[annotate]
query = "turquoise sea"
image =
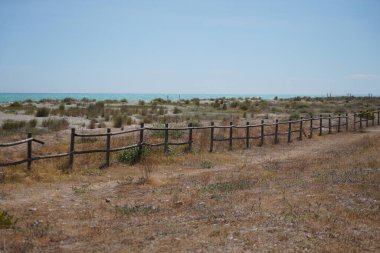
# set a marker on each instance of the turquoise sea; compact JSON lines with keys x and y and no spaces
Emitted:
{"x":13,"y":97}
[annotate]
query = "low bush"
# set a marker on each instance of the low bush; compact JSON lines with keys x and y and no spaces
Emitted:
{"x":138,"y":209}
{"x":294,"y":116}
{"x":174,"y":134}
{"x":118,"y":121}
{"x":176,"y":110}
{"x":43,"y":112}
{"x":6,"y":220}
{"x":132,"y":156}
{"x":55,"y":124}
{"x":14,"y":125}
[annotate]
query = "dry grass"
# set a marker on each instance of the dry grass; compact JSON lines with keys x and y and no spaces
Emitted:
{"x":320,"y":195}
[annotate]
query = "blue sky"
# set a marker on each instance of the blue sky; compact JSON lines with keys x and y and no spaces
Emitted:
{"x":194,"y":46}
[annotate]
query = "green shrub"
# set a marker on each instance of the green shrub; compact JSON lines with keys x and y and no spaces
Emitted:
{"x":6,"y":220}
{"x":132,"y":156}
{"x":92,"y":124}
{"x":118,"y":121}
{"x":176,"y":110}
{"x":174,"y":134}
{"x":32,"y":123}
{"x":13,"y":125}
{"x":42,"y":112}
{"x":55,"y":124}
{"x":294,"y":116}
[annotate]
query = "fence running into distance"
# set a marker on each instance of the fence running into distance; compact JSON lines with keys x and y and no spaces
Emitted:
{"x":303,"y":127}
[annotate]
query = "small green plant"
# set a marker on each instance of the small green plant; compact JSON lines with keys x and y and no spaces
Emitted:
{"x":81,"y":189}
{"x":206,"y":164}
{"x":6,"y":220}
{"x":131,"y":156}
{"x":42,"y":112}
{"x":176,"y":110}
{"x":39,"y":228}
{"x":137,"y":209}
{"x":294,"y":116}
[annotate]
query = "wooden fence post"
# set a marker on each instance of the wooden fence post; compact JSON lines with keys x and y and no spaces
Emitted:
{"x":338,"y":122}
{"x":320,"y":125}
{"x":72,"y":145}
{"x":354,"y":121}
{"x":190,"y":136}
{"x":301,"y":129}
{"x":247,"y":135}
{"x":366,"y":118}
{"x":230,"y":138}
{"x":166,"y":147}
{"x":346,"y":122}
{"x":108,"y":146}
{"x":329,"y":123}
{"x":141,"y":141}
{"x":361,"y":120}
{"x":373,"y":118}
{"x":289,"y":131}
{"x":212,"y":136}
{"x":378,"y":117}
{"x":311,"y":127}
{"x":29,"y":151}
{"x":262,"y":133}
{"x":276,"y":132}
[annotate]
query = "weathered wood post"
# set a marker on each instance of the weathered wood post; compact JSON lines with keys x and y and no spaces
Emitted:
{"x":72,"y":145}
{"x":338,"y":122}
{"x":108,"y":147}
{"x":289,"y":131}
{"x":354,"y":121}
{"x":378,"y":117}
{"x":301,"y":129}
{"x":361,"y":120}
{"x":276,"y":132}
{"x":247,"y":135}
{"x":141,"y":141}
{"x":346,"y":122}
{"x":29,"y":151}
{"x":230,"y":138}
{"x":329,"y":123}
{"x":320,"y":124}
{"x":366,"y":118}
{"x":373,"y":118}
{"x":262,"y":133}
{"x":212,"y":136}
{"x":166,"y":147}
{"x":311,"y":127}
{"x":190,"y":136}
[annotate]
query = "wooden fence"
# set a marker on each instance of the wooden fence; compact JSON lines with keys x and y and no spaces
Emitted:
{"x":300,"y":128}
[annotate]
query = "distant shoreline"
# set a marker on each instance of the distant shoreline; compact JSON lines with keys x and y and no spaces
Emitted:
{"x":19,"y":97}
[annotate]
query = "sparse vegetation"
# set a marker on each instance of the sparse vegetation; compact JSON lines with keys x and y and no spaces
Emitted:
{"x":42,"y":112}
{"x":55,"y":124}
{"x":6,"y":220}
{"x":132,"y":156}
{"x":274,"y":198}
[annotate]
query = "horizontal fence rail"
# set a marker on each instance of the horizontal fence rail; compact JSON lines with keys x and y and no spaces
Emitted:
{"x":260,"y":132}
